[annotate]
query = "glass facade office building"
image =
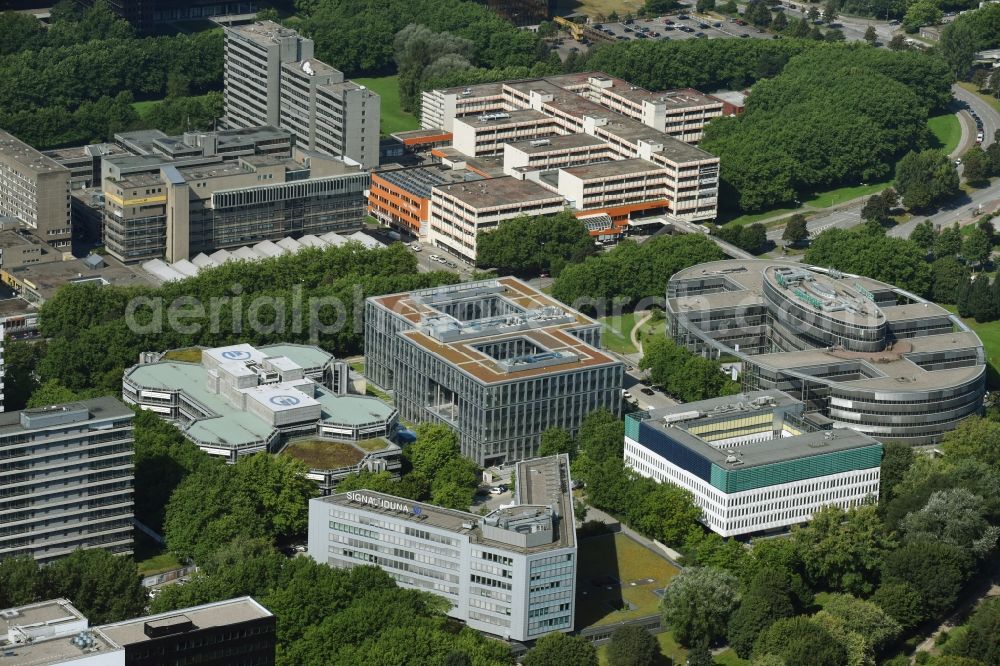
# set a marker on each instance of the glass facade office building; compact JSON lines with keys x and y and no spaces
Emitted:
{"x":865,"y":354}
{"x":496,"y":360}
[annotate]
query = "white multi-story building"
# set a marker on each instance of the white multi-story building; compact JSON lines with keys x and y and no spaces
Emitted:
{"x":511,"y":573}
{"x":754,"y":462}
{"x":458,"y":212}
{"x":35,"y":189}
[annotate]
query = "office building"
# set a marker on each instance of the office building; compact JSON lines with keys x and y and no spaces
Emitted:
{"x":271,"y":78}
{"x":235,"y":632}
{"x":606,"y":147}
{"x":460,"y":212}
{"x":496,"y":360}
{"x":865,"y":354}
{"x":35,"y":189}
{"x":328,"y":113}
{"x":754,"y":462}
{"x":511,"y":573}
{"x":180,"y":211}
{"x":401,"y":197}
{"x":239,"y":400}
{"x":66,"y":482}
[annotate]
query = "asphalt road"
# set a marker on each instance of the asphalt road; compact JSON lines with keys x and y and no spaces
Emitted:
{"x":986,"y":113}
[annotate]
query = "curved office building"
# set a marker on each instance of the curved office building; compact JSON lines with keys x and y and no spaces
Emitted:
{"x":865,"y":354}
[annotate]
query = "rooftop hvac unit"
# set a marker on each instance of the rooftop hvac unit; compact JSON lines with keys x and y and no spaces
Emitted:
{"x":681,"y":416}
{"x":540,"y":142}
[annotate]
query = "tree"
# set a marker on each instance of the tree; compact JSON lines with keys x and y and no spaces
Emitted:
{"x":799,"y":640}
{"x":21,"y":581}
{"x":435,"y":446}
{"x":555,"y":441}
{"x":796,"y":230}
{"x":924,"y":234}
{"x":529,"y":246}
{"x":898,"y":43}
{"x":878,"y":629}
{"x":870,"y":35}
{"x":812,"y":14}
{"x":956,"y":517}
{"x":936,"y":570}
{"x":682,"y":373}
{"x":896,"y":459}
{"x":876,"y":210}
{"x":980,"y":300}
{"x":418,"y":48}
{"x":780,"y":22}
{"x":632,"y":646}
{"x":976,"y":247}
{"x":704,"y":6}
{"x":926,"y":178}
{"x":919,"y":14}
{"x":844,"y":551}
{"x":104,"y":587}
{"x":698,"y":603}
{"x":902,"y":602}
{"x":51,"y":392}
{"x":976,"y":166}
{"x":981,"y":639}
{"x":948,"y":242}
{"x":20,"y":379}
{"x":976,"y":439}
{"x":768,"y":599}
{"x":830,"y":12}
{"x":700,"y":655}
{"x":894,"y":260}
{"x":560,"y":649}
{"x":657,"y":7}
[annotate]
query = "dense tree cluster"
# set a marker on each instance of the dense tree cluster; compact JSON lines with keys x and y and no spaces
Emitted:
{"x":631,"y":272}
{"x":897,"y":261}
{"x":749,"y":237}
{"x":969,"y":33}
{"x":528,"y":246}
{"x":76,"y":82}
{"x":358,"y":37}
{"x":925,"y":179}
{"x":95,"y":332}
{"x":684,"y":374}
{"x":105,"y":587}
{"x":834,"y":116}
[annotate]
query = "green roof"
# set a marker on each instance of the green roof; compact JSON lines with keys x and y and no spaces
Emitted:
{"x":353,"y":410}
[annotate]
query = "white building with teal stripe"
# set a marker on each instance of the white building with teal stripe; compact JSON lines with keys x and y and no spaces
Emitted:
{"x":754,"y":462}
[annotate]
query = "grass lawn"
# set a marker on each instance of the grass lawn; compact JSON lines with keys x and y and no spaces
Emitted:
{"x":322,"y":454}
{"x":616,"y":332}
{"x":145,"y":108}
{"x":188,"y":355}
{"x":947,"y":131}
{"x":615,"y":573}
{"x":992,"y":101}
{"x":152,"y":558}
{"x":813,"y":202}
{"x":729,"y":658}
{"x":394,"y":119}
{"x":370,"y":444}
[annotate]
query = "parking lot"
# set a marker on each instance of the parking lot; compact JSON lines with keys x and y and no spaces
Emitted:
{"x":680,"y":26}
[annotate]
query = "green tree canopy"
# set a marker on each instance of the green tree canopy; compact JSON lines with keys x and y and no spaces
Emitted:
{"x":698,"y":603}
{"x":632,"y":646}
{"x":560,"y":649}
{"x":897,"y":261}
{"x":799,"y":640}
{"x":528,"y":246}
{"x":926,"y":178}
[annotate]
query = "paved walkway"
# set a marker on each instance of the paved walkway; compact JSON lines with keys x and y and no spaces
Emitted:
{"x":989,"y":588}
{"x":634,"y":333}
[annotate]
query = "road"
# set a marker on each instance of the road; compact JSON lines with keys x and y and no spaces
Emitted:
{"x":989,"y":116}
{"x":854,"y":29}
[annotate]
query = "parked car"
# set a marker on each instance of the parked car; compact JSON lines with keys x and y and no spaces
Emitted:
{"x":415,"y":247}
{"x":498,"y":490}
{"x":434,"y":257}
{"x":645,"y":390}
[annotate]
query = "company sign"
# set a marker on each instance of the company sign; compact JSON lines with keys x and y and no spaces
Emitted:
{"x":382,"y":503}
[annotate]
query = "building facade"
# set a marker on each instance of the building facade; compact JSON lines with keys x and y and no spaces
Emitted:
{"x":496,"y":360}
{"x":865,"y":354}
{"x":271,"y":78}
{"x":235,"y":632}
{"x":460,"y":212}
{"x":401,"y":198}
{"x":66,"y":482}
{"x":180,"y":211}
{"x":754,"y":462}
{"x":35,"y":189}
{"x":511,"y":573}
{"x":240,"y":400}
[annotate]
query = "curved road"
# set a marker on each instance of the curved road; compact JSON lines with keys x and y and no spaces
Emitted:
{"x":989,"y":115}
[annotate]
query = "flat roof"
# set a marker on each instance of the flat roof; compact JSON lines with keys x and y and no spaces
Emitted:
{"x":496,"y":192}
{"x":46,"y":278}
{"x":53,"y":649}
{"x":504,"y":118}
{"x":547,"y":483}
{"x":561,"y":142}
{"x":420,"y":180}
{"x":893,"y":369}
{"x":671,"y":422}
{"x":219,"y":614}
{"x":555,"y":337}
{"x":612,"y":168}
{"x":17,"y":151}
{"x":104,"y":407}
{"x":262,"y":32}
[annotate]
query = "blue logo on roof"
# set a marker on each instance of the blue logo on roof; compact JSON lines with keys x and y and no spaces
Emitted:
{"x":235,"y":355}
{"x":284,"y":400}
{"x":417,"y":511}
